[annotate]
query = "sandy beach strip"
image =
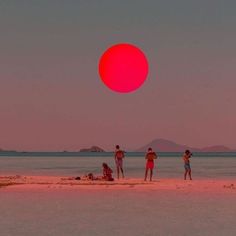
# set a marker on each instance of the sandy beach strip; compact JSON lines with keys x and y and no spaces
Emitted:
{"x":54,"y":205}
{"x":69,"y":183}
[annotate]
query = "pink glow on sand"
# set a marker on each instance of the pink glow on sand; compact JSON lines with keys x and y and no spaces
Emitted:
{"x":70,"y":183}
{"x":123,"y":68}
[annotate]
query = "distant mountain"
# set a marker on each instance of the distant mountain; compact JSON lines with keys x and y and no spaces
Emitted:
{"x":92,"y":149}
{"x":163,"y":145}
{"x":216,"y":148}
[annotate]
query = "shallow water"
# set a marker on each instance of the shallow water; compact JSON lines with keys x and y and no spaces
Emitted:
{"x":167,"y":166}
{"x":115,"y":212}
{"x":105,"y":211}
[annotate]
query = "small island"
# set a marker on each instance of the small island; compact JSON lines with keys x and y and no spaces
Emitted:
{"x":6,"y":151}
{"x":92,"y":149}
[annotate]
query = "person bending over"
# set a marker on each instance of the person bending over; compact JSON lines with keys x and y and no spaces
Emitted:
{"x":107,"y":172}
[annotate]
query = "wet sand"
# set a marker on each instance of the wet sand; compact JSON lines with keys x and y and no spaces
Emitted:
{"x":43,"y":205}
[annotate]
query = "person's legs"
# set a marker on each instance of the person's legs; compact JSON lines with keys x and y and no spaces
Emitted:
{"x":118,"y":171}
{"x":146,"y":173}
{"x":121,"y":169}
{"x":150,"y":174}
{"x":185,"y":174}
{"x":190,"y":174}
{"x":119,"y":165}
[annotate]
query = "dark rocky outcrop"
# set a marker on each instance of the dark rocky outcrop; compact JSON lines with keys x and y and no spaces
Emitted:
{"x":92,"y":149}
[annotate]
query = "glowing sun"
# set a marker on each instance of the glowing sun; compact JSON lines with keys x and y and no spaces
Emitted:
{"x":123,"y":68}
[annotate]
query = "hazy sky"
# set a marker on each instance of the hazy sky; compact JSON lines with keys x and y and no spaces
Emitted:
{"x":53,"y":99}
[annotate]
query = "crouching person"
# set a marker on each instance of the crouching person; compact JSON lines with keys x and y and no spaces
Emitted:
{"x":107,"y":172}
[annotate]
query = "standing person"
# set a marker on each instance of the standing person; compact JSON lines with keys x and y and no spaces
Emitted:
{"x":119,"y":155}
{"x":150,"y":157}
{"x":187,"y":155}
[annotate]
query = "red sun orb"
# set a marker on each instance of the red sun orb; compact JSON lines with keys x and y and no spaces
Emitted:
{"x":123,"y":68}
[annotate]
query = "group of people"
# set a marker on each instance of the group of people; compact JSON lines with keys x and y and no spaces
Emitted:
{"x":150,"y":157}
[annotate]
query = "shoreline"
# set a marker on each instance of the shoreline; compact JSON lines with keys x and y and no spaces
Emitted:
{"x":18,"y":182}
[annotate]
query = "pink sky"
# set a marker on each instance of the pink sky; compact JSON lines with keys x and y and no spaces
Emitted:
{"x":52,"y":97}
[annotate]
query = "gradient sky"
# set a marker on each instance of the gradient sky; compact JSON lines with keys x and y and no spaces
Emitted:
{"x":53,"y":99}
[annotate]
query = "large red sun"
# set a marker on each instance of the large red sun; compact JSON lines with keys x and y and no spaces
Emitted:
{"x":123,"y":68}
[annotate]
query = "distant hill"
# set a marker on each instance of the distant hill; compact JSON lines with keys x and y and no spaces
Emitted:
{"x":216,"y":148}
{"x":163,"y":145}
{"x":92,"y":149}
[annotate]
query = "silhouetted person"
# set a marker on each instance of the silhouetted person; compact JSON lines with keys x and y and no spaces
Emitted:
{"x":107,"y":172}
{"x":187,"y":155}
{"x":119,"y":155}
{"x":150,"y":157}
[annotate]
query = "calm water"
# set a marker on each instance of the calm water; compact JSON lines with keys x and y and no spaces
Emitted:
{"x":168,"y":165}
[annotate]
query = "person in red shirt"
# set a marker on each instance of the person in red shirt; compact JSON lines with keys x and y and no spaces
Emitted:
{"x":150,"y":157}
